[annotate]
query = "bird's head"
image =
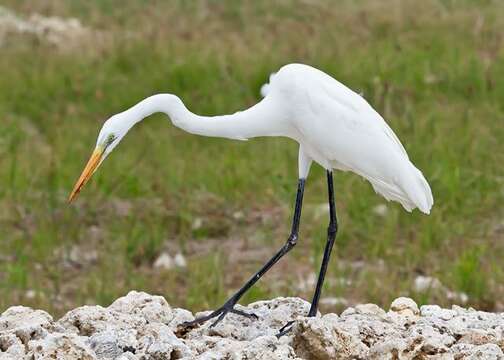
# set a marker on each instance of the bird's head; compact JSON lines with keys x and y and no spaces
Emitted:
{"x":112,"y":132}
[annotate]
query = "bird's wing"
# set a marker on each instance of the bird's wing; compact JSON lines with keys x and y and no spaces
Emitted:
{"x":365,"y":116}
{"x":348,"y":132}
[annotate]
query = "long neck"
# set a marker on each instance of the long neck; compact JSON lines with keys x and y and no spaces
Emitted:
{"x":262,"y":119}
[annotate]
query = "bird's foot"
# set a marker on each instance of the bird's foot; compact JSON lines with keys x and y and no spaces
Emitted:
{"x":219,"y":314}
{"x":285,"y":329}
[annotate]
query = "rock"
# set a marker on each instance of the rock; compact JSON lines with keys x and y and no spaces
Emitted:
{"x":404,"y":306}
{"x":78,"y":255}
{"x":30,"y":294}
{"x":140,"y":326}
{"x":60,"y":346}
{"x":64,"y":33}
{"x":370,"y":309}
{"x":457,"y":296}
{"x":316,"y":338}
{"x":197,"y":224}
{"x":149,"y":307}
{"x":477,"y":337}
{"x":11,"y":347}
{"x":164,"y":261}
{"x":180,"y":260}
{"x":426,"y":283}
{"x":111,"y":343}
{"x":25,"y":323}
{"x":431,"y":284}
{"x":486,"y":352}
{"x":307,"y":283}
{"x":272,"y":315}
{"x":380,"y":210}
{"x":319,"y":210}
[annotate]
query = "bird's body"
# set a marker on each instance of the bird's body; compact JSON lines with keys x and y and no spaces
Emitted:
{"x":338,"y":129}
{"x":334,"y":126}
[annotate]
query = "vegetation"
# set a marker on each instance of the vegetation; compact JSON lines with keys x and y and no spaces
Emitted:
{"x":432,"y":68}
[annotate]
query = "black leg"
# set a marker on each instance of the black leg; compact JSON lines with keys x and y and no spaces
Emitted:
{"x":331,"y":235}
{"x":291,"y":242}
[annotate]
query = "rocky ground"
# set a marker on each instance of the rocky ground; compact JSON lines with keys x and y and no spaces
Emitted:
{"x":142,"y":326}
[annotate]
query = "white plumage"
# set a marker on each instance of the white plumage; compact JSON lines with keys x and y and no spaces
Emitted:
{"x":333,"y":125}
{"x":338,"y":129}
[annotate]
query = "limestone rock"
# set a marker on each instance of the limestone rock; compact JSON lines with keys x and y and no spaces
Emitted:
{"x":25,"y":323}
{"x":322,"y":338}
{"x":164,"y":261}
{"x":60,"y":346}
{"x":140,"y":326}
{"x":486,"y":352}
{"x":404,"y":306}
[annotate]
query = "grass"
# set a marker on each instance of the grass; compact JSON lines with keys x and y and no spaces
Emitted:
{"x":432,"y":68}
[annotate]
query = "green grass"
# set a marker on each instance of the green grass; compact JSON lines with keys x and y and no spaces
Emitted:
{"x":432,"y":68}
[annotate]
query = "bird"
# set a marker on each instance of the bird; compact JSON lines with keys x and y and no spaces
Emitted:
{"x":334,"y":126}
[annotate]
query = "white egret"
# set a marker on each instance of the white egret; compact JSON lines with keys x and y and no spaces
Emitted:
{"x":334,"y":126}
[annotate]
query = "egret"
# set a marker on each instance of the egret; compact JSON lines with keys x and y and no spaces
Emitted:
{"x":334,"y":126}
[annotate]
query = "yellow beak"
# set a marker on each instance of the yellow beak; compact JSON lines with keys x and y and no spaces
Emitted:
{"x":92,"y":165}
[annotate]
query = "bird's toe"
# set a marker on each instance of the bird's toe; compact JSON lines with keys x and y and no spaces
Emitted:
{"x":285,"y":329}
{"x":250,"y":316}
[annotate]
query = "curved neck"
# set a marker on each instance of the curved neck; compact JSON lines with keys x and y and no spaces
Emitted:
{"x":262,"y":119}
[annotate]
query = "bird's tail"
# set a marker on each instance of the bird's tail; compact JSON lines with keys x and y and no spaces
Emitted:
{"x":411,"y":190}
{"x":417,"y":189}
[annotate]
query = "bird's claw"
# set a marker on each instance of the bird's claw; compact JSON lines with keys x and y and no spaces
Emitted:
{"x":250,"y":316}
{"x":219,"y":314}
{"x":225,"y":310}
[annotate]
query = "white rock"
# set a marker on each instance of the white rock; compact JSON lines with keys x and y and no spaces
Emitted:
{"x":112,"y":342}
{"x":370,"y":309}
{"x":30,"y":294}
{"x":348,"y":312}
{"x":164,"y":261}
{"x":152,"y":308}
{"x":457,"y":296}
{"x":180,"y":260}
{"x":307,"y":283}
{"x":197,"y":223}
{"x":320,"y":210}
{"x":11,"y":346}
{"x":426,"y":283}
{"x":159,"y":342}
{"x":380,"y":210}
{"x":316,"y":339}
{"x":27,"y":324}
{"x":477,"y":337}
{"x":54,"y":30}
{"x":430,"y":310}
{"x":405,"y":306}
{"x":140,"y":326}
{"x":486,"y":352}
{"x":127,"y":356}
{"x":78,"y":255}
{"x":61,"y":347}
{"x":180,"y":316}
{"x":238,"y":215}
{"x":437,"y":312}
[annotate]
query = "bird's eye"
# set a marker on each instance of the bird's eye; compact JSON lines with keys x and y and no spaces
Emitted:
{"x":110,"y":139}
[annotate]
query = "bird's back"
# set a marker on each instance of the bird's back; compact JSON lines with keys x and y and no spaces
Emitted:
{"x":339,"y":129}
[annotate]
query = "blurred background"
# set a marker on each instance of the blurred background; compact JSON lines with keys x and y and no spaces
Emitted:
{"x":191,"y":218}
